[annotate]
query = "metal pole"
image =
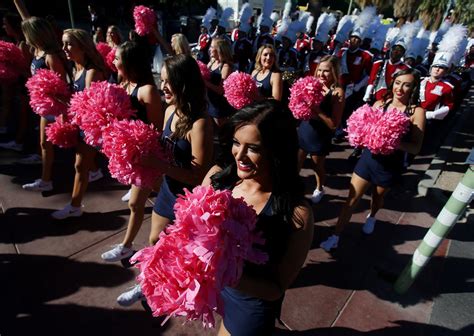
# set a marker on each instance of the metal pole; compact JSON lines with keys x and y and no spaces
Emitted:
{"x":349,"y":9}
{"x":71,"y":15}
{"x":446,"y":219}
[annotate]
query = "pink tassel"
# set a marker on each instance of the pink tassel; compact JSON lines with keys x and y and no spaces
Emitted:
{"x":49,"y":94}
{"x":205,"y":72}
{"x":125,"y":143}
{"x":12,"y":61}
{"x":96,"y":107}
{"x":305,"y":94}
{"x":240,"y":89}
{"x":62,"y":133}
{"x":204,"y":251}
{"x":145,"y":20}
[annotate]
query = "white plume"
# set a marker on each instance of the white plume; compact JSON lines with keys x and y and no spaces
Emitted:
{"x":245,"y":13}
{"x":441,"y":31}
{"x":309,"y":23}
{"x":287,"y":9}
{"x":343,"y":28}
{"x":380,"y":36}
{"x":268,"y":7}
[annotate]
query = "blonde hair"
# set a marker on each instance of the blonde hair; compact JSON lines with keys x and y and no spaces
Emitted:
{"x":40,"y":35}
{"x":223,"y":50}
{"x":92,"y":57}
{"x":114,"y":29}
{"x":180,"y":44}
{"x":258,"y":64}
{"x":335,"y":68}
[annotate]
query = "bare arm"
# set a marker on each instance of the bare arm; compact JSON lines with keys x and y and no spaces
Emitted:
{"x":21,"y":8}
{"x":207,"y":179}
{"x":162,"y":41}
{"x":149,"y":96}
{"x":55,"y":63}
{"x":277,"y":85}
{"x":93,"y":75}
{"x":219,"y":89}
{"x":289,"y":267}
{"x":413,"y":146}
{"x":201,"y":149}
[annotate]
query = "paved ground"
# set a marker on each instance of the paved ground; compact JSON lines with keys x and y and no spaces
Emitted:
{"x":54,"y":281}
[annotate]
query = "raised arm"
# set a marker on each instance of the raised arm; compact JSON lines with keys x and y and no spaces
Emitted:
{"x":21,"y":8}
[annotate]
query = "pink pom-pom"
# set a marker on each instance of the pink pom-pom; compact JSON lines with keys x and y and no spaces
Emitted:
{"x":12,"y":61}
{"x":240,"y":89}
{"x":96,"y":107}
{"x":379,"y":131}
{"x":387,"y":132}
{"x":49,"y":94}
{"x":360,"y":123}
{"x":205,"y":249}
{"x":104,"y":49}
{"x":62,"y":133}
{"x":145,"y":20}
{"x":109,"y":60}
{"x":125,"y":143}
{"x":205,"y":72}
{"x":305,"y":94}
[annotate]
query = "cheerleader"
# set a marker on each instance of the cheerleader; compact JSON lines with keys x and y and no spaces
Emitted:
{"x":47,"y":55}
{"x":221,"y":67}
{"x":113,"y":36}
{"x":383,"y":170}
{"x":315,"y":135}
{"x":88,"y":67}
{"x":180,"y":44}
{"x":267,"y":73}
{"x":187,"y":135}
{"x":137,"y":79}
{"x":262,"y":169}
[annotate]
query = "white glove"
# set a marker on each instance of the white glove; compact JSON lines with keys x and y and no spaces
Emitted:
{"x":438,"y":114}
{"x":368,"y":92}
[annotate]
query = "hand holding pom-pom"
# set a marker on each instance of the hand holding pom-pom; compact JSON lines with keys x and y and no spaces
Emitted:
{"x":96,"y":107}
{"x":62,"y":133}
{"x":240,"y":89}
{"x":360,"y":124}
{"x":205,"y":72}
{"x":125,"y":143}
{"x":205,"y":249}
{"x":49,"y":94}
{"x":305,"y":94}
{"x":12,"y":61}
{"x":145,"y":20}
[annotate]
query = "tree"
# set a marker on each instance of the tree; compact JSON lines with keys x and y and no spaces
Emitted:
{"x":431,"y":12}
{"x":405,"y":9}
{"x":464,"y":13}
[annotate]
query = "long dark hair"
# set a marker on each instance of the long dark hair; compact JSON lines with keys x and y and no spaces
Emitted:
{"x":188,"y":88}
{"x":415,"y":93}
{"x":279,"y":139}
{"x":135,"y":63}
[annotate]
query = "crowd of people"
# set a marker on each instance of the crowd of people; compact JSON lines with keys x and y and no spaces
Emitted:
{"x":257,"y":152}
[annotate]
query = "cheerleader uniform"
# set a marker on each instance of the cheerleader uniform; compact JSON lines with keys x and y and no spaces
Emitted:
{"x":38,"y":63}
{"x":180,"y":150}
{"x":264,"y":86}
{"x":382,"y":170}
{"x":141,"y":109}
{"x":218,"y":105}
{"x":245,"y":315}
{"x":314,"y":135}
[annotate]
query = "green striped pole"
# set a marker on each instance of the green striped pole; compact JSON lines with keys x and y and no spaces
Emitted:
{"x":446,"y":219}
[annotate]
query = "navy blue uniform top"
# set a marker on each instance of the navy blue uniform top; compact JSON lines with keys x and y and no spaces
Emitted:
{"x":80,"y":83}
{"x":141,"y":109}
{"x":264,"y":86}
{"x":180,"y":153}
{"x":38,"y":63}
{"x":218,"y":105}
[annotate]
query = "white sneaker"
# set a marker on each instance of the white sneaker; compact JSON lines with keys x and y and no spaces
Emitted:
{"x":119,"y":252}
{"x":330,"y":243}
{"x":31,"y":160}
{"x":317,"y":195}
{"x":126,"y":197}
{"x":67,"y":211}
{"x":130,"y":297}
{"x":38,"y":185}
{"x":95,"y":175}
{"x":12,"y":145}
{"x":369,"y":225}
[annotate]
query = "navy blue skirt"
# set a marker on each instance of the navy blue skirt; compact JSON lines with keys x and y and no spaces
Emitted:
{"x":314,"y":137}
{"x":165,"y":201}
{"x":248,"y":316}
{"x":381,"y":170}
